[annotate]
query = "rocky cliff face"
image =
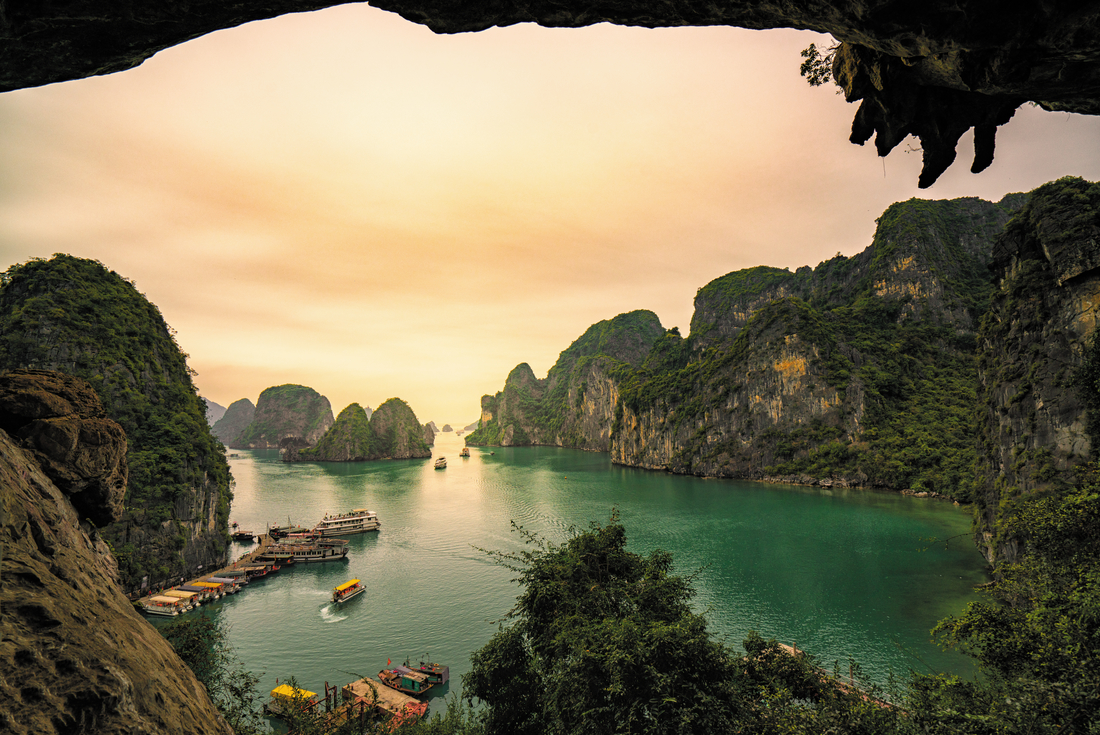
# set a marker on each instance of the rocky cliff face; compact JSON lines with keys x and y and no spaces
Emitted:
{"x":286,"y":414}
{"x":934,"y":72}
{"x":858,"y":372}
{"x":570,"y":406}
{"x":75,"y":656}
{"x":1038,"y":337}
{"x":75,"y":316}
{"x":236,"y":419}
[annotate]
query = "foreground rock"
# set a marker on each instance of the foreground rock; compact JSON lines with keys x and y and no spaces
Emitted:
{"x":935,"y":71}
{"x":75,"y":657}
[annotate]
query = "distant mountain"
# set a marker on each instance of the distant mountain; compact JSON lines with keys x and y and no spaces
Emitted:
{"x":236,"y":419}
{"x":391,"y":432}
{"x":214,"y":411}
{"x":446,"y":427}
{"x":471,"y":427}
{"x":286,"y":414}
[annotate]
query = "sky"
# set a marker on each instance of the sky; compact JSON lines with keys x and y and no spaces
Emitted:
{"x":345,"y":200}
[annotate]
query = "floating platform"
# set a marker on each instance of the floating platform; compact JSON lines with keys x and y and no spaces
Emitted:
{"x":390,"y":701}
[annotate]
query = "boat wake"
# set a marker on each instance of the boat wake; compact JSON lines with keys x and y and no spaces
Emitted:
{"x":329,"y":614}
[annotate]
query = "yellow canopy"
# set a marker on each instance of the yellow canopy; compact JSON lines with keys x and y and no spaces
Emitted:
{"x":346,"y":585}
{"x":214,"y":585}
{"x":285,"y":691}
{"x":182,"y":594}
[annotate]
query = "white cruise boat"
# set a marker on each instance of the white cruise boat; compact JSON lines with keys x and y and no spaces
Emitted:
{"x":359,"y":520}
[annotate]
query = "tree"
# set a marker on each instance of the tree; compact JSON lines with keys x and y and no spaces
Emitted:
{"x":201,"y":641}
{"x":1037,"y":639}
{"x":601,"y":640}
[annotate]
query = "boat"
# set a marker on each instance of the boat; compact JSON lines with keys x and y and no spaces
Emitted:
{"x":465,"y":452}
{"x":187,"y":598}
{"x":441,"y":463}
{"x":347,"y":590}
{"x":232,"y":585}
{"x":281,"y":531}
{"x":322,"y":550}
{"x":244,"y":536}
{"x":436,"y":673}
{"x":407,"y":680}
{"x":164,"y":605}
{"x":286,"y":699}
{"x":356,"y":521}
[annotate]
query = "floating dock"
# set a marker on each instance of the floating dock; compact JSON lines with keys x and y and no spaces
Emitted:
{"x":382,"y":697}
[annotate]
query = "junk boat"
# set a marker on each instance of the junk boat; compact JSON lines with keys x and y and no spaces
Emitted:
{"x":359,"y":520}
{"x":347,"y":590}
{"x":464,"y":453}
{"x":407,"y":680}
{"x":441,"y":463}
{"x":319,"y":550}
{"x":244,"y":536}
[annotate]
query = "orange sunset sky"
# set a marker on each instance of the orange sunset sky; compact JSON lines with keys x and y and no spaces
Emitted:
{"x":345,"y":200}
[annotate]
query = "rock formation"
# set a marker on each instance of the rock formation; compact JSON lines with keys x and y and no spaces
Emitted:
{"x":446,"y":427}
{"x":236,"y":419}
{"x":391,"y":432}
{"x":933,"y":70}
{"x":349,"y":439}
{"x":397,"y":432}
{"x":75,"y":657}
{"x":214,"y":411}
{"x":61,"y":422}
{"x":574,"y":404}
{"x":286,"y":412}
{"x":858,"y":372}
{"x":76,"y":316}
{"x":1039,"y":337}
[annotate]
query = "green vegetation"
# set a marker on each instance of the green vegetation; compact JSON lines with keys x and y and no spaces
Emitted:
{"x":817,"y":67}
{"x":76,"y":316}
{"x":201,"y":641}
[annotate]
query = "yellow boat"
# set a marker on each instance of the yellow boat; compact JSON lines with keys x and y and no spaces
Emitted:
{"x":347,"y":590}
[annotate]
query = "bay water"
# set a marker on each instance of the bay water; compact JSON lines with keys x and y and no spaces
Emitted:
{"x":843,"y":574}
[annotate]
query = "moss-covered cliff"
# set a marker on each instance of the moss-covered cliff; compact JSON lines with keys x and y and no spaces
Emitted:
{"x":390,"y":432}
{"x":286,"y":414}
{"x":571,"y":406}
{"x":860,"y":371}
{"x":235,"y":420}
{"x":78,"y":317}
{"x":1038,"y":359}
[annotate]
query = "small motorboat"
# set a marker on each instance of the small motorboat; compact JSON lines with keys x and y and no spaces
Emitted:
{"x":465,"y":453}
{"x":347,"y":590}
{"x":441,"y":463}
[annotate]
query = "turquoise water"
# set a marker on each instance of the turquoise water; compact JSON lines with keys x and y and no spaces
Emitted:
{"x":840,"y":573}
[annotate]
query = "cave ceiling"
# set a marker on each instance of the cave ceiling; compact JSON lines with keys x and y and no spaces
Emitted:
{"x":929,"y":68}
